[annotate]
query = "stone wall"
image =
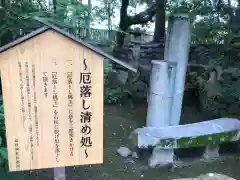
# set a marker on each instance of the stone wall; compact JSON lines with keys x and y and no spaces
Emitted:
{"x":217,"y":91}
{"x":219,"y":96}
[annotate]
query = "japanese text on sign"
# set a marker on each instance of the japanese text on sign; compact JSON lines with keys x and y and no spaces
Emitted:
{"x":56,"y":115}
{"x":70,"y":112}
{"x":29,"y":107}
{"x":21,"y":90}
{"x":17,"y":153}
{"x":35,"y":104}
{"x":45,"y":84}
{"x":86,"y":114}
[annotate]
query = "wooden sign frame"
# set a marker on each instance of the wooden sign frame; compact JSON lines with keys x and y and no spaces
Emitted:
{"x":53,"y":90}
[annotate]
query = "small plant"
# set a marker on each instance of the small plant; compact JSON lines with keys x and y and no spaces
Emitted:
{"x":111,"y":95}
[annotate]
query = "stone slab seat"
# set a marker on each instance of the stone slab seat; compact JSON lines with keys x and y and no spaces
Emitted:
{"x":212,"y":132}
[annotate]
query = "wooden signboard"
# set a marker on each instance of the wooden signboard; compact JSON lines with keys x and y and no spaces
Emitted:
{"x":53,"y":100}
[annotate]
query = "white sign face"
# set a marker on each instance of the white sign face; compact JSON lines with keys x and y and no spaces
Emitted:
{"x":53,"y":102}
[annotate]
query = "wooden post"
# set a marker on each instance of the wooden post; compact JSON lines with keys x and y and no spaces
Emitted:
{"x":176,"y":50}
{"x":59,"y":173}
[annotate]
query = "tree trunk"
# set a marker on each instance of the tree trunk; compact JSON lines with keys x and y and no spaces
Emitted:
{"x":159,"y":31}
{"x":109,"y":20}
{"x":234,"y":21}
{"x":3,"y":3}
{"x":88,"y":20}
{"x":123,"y":24}
{"x":126,"y":21}
{"x":54,"y":6}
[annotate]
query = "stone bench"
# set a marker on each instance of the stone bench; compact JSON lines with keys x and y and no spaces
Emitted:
{"x":207,"y":134}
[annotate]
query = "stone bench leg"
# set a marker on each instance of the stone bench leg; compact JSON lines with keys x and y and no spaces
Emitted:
{"x":161,"y":157}
{"x":211,"y":152}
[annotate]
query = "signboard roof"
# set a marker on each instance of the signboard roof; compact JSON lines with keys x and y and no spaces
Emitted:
{"x":68,"y":35}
